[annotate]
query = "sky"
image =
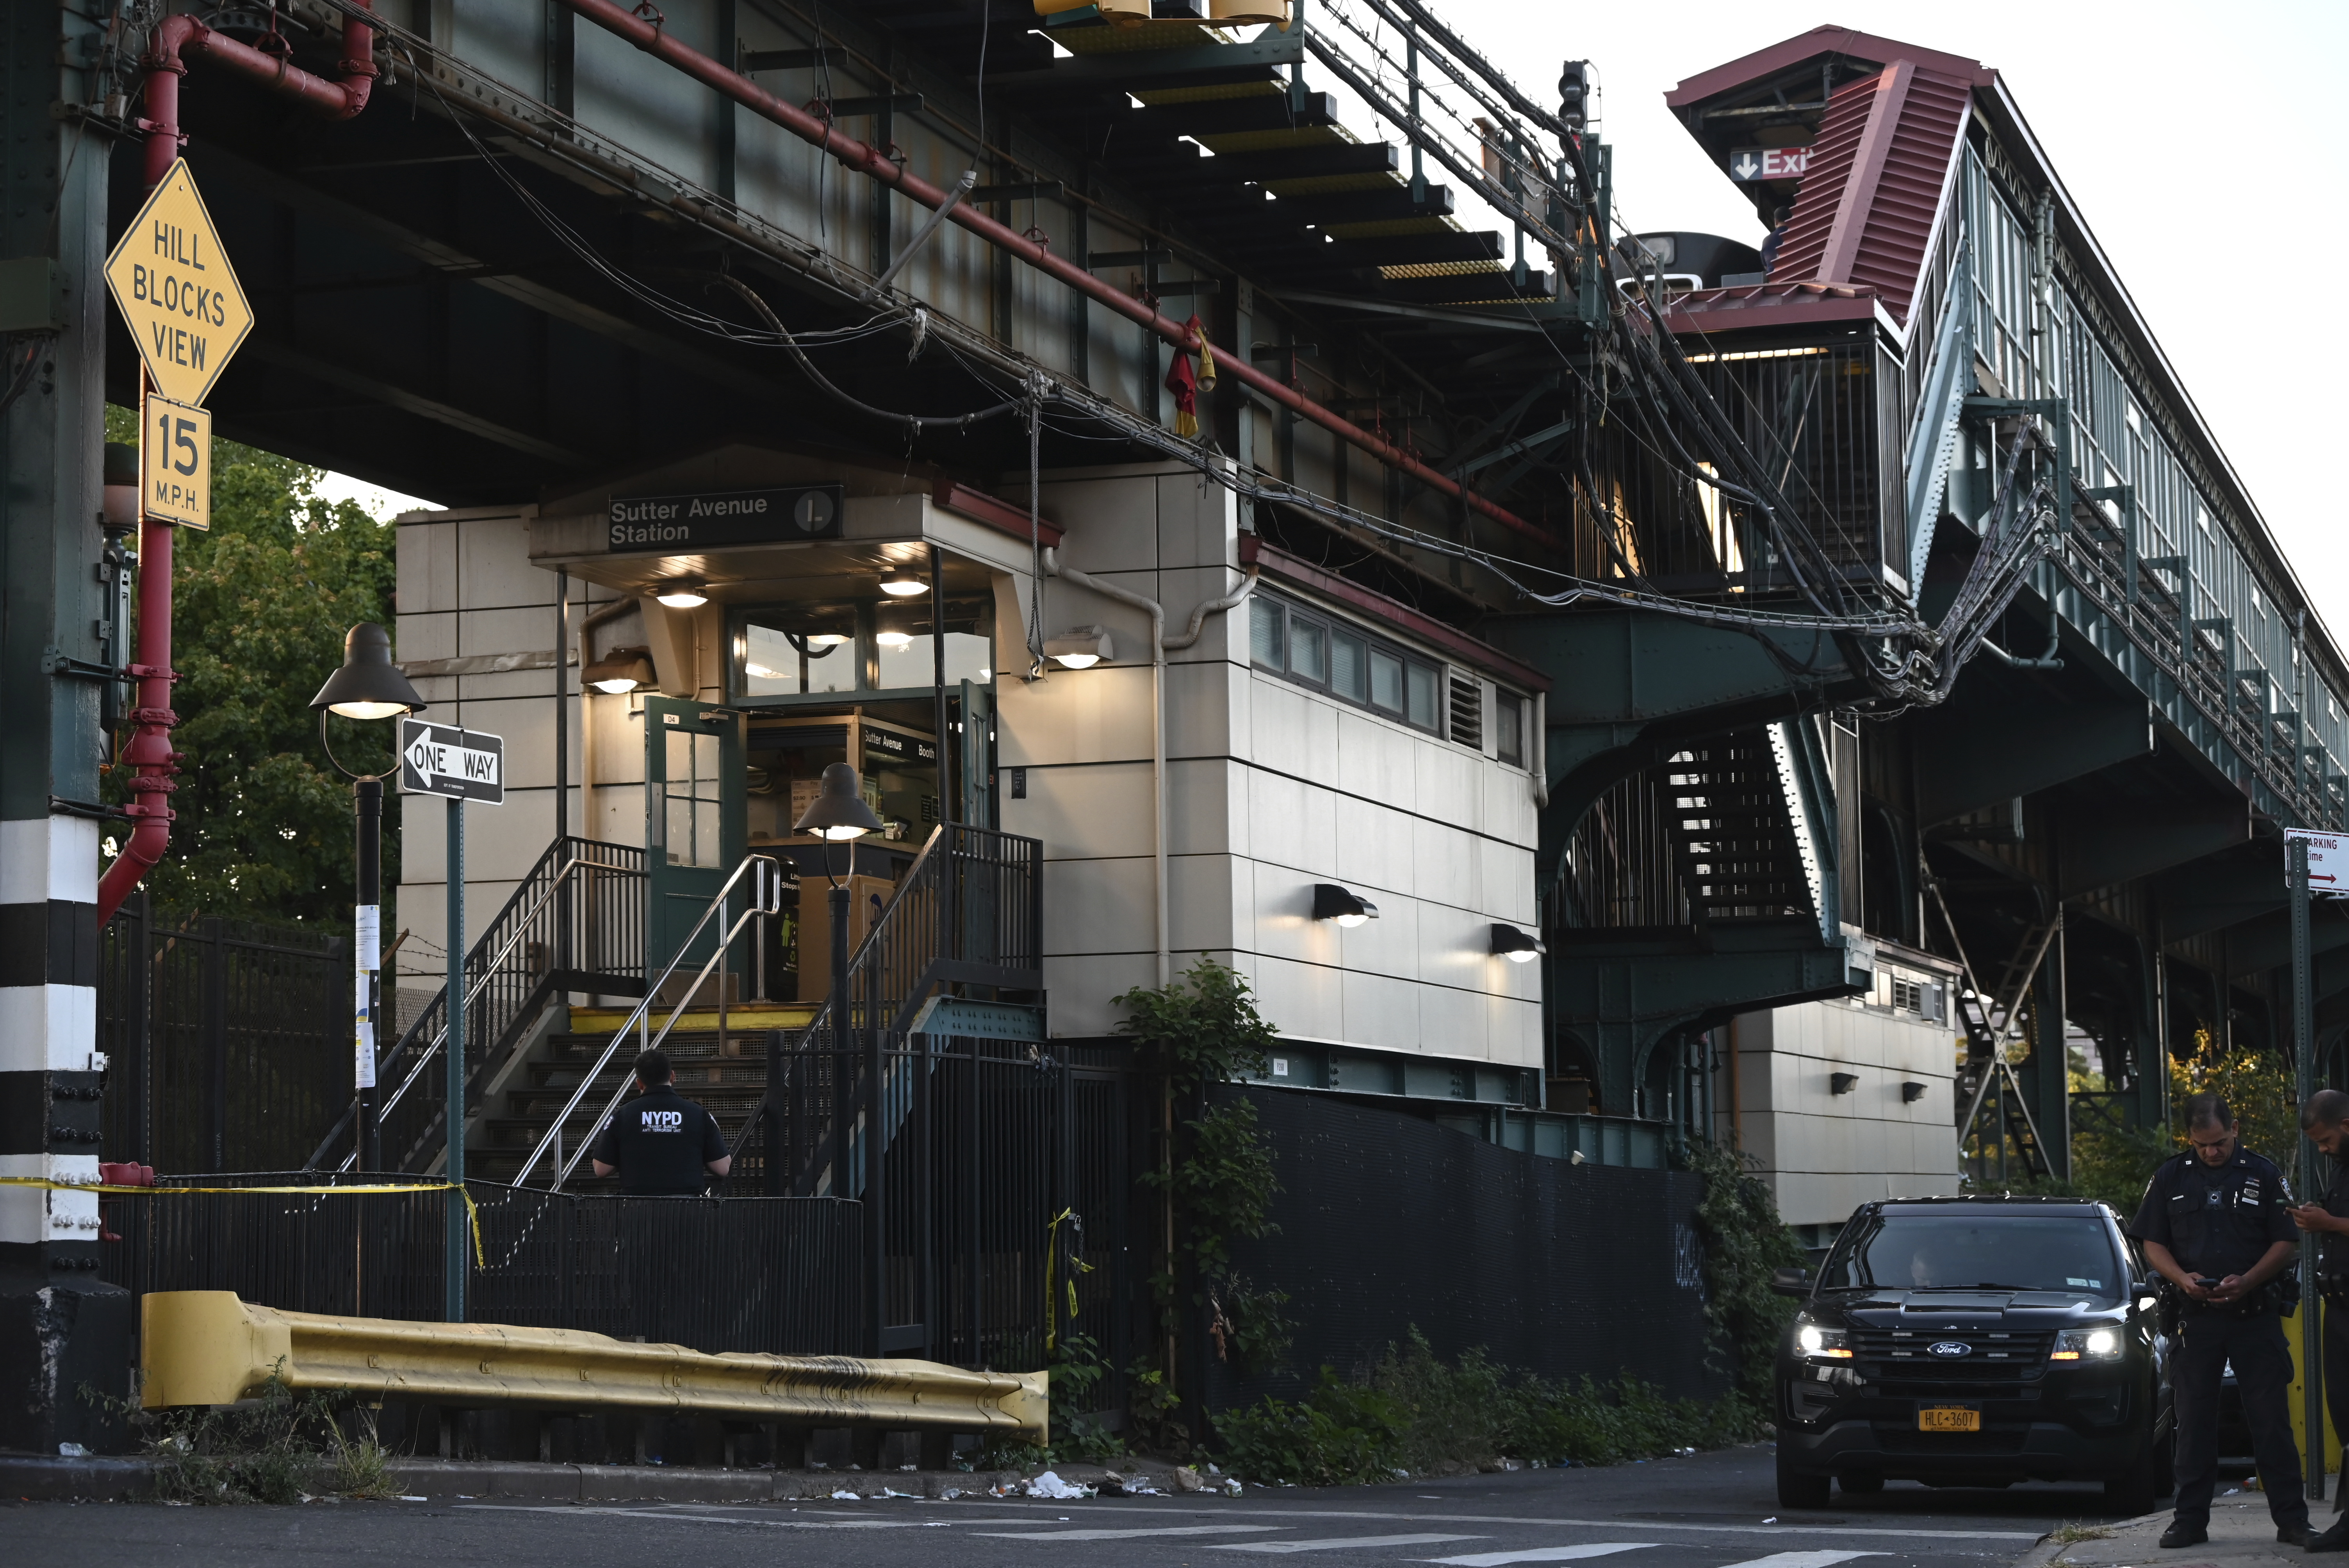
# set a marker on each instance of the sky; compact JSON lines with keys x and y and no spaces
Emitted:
{"x":2195,"y":151}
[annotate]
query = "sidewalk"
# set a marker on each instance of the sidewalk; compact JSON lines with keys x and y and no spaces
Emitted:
{"x":2242,"y":1535}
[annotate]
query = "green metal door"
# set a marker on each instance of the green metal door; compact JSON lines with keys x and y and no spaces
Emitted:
{"x":695,"y":826}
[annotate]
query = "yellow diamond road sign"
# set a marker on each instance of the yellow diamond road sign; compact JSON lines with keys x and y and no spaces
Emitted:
{"x":175,"y":290}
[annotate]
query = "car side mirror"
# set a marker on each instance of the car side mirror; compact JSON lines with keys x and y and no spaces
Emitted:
{"x":1790,"y":1282}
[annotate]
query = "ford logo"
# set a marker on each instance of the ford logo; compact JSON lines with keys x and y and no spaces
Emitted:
{"x":1950,"y":1347}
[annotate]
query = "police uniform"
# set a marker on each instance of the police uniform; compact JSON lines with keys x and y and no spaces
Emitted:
{"x":2217,"y":1222}
{"x":661,"y":1143}
{"x":2333,"y":1282}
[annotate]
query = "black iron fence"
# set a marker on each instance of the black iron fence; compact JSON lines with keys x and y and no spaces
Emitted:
{"x":575,"y":924}
{"x":1389,"y":1225}
{"x":777,"y":1274}
{"x":227,"y":1041}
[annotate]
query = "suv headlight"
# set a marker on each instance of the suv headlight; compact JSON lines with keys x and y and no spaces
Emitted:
{"x":1823,"y":1344}
{"x":2088,"y":1345}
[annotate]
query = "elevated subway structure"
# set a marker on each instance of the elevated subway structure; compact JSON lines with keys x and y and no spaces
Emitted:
{"x":1708,"y":628}
{"x":566,"y":279}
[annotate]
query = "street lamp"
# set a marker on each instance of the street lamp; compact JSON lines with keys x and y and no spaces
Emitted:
{"x":1515,"y":945}
{"x":620,"y":671}
{"x":839,"y":815}
{"x":369,"y":686}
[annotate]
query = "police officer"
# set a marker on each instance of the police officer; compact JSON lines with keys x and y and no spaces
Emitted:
{"x":660,"y":1142}
{"x":2217,"y":1223}
{"x":2325,"y":1120}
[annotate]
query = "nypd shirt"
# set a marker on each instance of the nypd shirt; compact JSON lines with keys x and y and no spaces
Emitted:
{"x":660,"y":1142}
{"x":2216,"y":1222}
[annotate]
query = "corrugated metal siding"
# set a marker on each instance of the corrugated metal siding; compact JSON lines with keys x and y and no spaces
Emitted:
{"x":1884,"y":179}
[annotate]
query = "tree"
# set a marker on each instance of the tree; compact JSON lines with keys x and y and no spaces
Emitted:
{"x":260,"y":605}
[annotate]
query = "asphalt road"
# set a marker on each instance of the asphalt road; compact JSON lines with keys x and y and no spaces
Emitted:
{"x":1710,"y":1510}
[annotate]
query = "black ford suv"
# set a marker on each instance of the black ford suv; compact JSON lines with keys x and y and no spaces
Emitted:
{"x":1974,"y":1342}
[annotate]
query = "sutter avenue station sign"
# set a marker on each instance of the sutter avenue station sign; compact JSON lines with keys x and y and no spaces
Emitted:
{"x":680,"y":522}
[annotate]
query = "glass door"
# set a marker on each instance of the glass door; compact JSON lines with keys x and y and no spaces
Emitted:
{"x":695,"y":828}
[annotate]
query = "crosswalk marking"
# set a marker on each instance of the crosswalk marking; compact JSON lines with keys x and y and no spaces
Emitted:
{"x":1803,"y":1559}
{"x":1546,"y":1554}
{"x":1334,"y":1542}
{"x":1129,"y":1534}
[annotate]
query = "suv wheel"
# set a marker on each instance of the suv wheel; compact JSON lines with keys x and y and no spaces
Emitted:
{"x":1799,"y":1487}
{"x":1861,"y":1484}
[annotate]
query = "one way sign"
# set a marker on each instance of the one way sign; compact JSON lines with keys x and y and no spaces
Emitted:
{"x":461,"y":764}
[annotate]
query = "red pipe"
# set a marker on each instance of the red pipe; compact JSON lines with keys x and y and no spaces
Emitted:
{"x":150,"y":755}
{"x":649,"y":36}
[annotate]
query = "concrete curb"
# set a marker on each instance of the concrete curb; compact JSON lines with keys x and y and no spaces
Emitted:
{"x":42,"y":1479}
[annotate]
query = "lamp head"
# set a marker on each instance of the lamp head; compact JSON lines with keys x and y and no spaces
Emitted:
{"x":1347,"y":907}
{"x":1080,"y":647}
{"x":1516,"y":947}
{"x":620,"y":670}
{"x":838,"y":811}
{"x":120,"y":497}
{"x":903,"y":585}
{"x":684,"y":593}
{"x":369,"y":685}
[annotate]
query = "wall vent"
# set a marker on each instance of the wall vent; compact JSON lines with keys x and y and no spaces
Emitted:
{"x":1468,"y":713}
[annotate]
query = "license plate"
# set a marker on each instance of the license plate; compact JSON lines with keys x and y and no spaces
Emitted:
{"x":1948,"y":1418}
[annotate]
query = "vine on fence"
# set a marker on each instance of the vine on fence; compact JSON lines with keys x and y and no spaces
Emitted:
{"x":1745,"y":1242}
{"x":1216,"y":1175}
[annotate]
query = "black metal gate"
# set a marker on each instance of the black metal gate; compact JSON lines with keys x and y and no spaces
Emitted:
{"x":228,"y":1042}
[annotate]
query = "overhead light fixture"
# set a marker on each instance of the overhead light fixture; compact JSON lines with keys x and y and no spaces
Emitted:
{"x":1344,"y":905}
{"x":684,"y":593}
{"x":369,"y":685}
{"x":761,"y":672}
{"x":903,"y":585}
{"x":838,"y":811}
{"x":825,"y":639}
{"x":1516,"y":947}
{"x":119,"y":498}
{"x":620,"y":670}
{"x":1080,"y":647}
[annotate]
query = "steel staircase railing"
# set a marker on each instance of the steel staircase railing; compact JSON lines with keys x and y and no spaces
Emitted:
{"x":765,"y":900}
{"x":575,"y":924}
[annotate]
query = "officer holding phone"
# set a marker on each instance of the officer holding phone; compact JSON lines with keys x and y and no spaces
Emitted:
{"x":2217,"y":1223}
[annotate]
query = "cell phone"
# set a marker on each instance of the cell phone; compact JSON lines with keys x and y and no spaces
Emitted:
{"x":2206,"y":1282}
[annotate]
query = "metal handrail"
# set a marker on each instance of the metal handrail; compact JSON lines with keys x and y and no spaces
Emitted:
{"x":769,"y":902}
{"x":489,"y":973}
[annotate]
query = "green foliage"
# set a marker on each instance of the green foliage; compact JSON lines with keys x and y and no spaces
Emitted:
{"x":1215,"y":1171}
{"x":1200,"y":1029}
{"x":1745,"y":1242}
{"x":1416,"y":1415}
{"x":276,"y":1449}
{"x":259,"y":608}
{"x":2114,"y":1166}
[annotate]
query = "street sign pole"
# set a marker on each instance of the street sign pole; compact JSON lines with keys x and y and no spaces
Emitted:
{"x":458,"y":1230}
{"x":2303,"y":1050}
{"x":458,"y":765}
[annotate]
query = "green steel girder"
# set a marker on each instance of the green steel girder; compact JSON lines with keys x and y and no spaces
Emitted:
{"x":1633,"y":685}
{"x":1620,"y":998}
{"x":2213,"y":895}
{"x":1991,"y":742}
{"x":2099,"y":847}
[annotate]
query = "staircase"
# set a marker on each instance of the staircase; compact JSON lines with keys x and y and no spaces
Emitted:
{"x":575,"y":924}
{"x":1734,"y":833}
{"x":728,"y":1080}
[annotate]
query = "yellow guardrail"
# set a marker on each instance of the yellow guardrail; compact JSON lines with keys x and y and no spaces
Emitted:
{"x":209,"y":1347}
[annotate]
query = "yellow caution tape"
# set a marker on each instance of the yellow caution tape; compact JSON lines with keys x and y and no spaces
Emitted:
{"x":472,"y":1209}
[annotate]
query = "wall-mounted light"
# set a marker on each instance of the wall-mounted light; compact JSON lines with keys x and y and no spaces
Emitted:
{"x":620,"y":670}
{"x":684,"y":593}
{"x":1516,"y":947}
{"x":903,"y":585}
{"x":825,"y":639}
{"x":894,"y":639}
{"x":1080,"y":647}
{"x":1345,"y":906}
{"x":1842,"y":1083}
{"x":1911,"y":1093}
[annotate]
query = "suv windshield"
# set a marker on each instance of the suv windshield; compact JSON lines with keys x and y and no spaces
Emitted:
{"x":1974,"y":1252}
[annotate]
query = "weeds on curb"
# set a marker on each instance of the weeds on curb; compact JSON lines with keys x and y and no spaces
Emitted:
{"x":278,"y":1448}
